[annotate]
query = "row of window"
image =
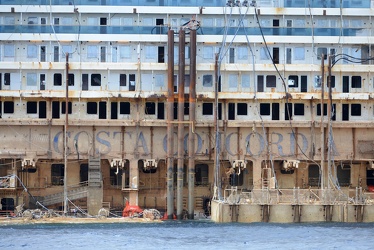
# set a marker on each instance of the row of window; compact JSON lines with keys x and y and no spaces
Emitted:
{"x":159,"y":81}
{"x":239,"y":53}
{"x":158,"y":109}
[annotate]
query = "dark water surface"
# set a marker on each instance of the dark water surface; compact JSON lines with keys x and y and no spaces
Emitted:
{"x":188,"y":235}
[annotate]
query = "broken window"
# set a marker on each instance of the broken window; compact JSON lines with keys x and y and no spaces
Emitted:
{"x":31,"y":108}
{"x":124,"y":108}
{"x":115,"y":177}
{"x":131,"y":82}
{"x":242,"y":109}
{"x":207,"y":80}
{"x":313,"y":175}
{"x":57,"y":79}
{"x":317,"y":81}
{"x":57,"y":174}
{"x":96,"y":80}
{"x":293,"y":81}
{"x":207,"y":108}
{"x":343,"y":173}
{"x":201,"y":174}
{"x":355,"y":109}
{"x":150,"y":108}
{"x":271,"y":81}
{"x":92,"y":108}
{"x":320,"y":52}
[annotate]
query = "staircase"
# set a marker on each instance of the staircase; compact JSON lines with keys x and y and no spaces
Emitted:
{"x":73,"y":194}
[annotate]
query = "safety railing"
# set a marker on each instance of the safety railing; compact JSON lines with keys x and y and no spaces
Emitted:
{"x":297,"y":196}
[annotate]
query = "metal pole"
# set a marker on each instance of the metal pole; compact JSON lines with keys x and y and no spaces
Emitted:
{"x":170,"y":128}
{"x":217,"y":178}
{"x":329,"y":107}
{"x":191,"y":135}
{"x":181,"y":74}
{"x":322,"y":125}
{"x":65,"y":135}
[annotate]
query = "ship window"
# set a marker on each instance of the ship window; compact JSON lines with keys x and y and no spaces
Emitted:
{"x":57,"y":79}
{"x":92,"y":51}
{"x":91,"y":108}
{"x":299,"y":53}
{"x":343,"y":173}
{"x":55,"y":110}
{"x":56,"y":21}
{"x":245,"y":81}
{"x":115,"y":176}
{"x":31,"y":108}
{"x":42,"y":81}
{"x":201,"y":174}
{"x":8,"y":50}
{"x":332,"y":81}
{"x":124,"y":108}
{"x":7,"y":79}
{"x":242,"y":109}
{"x":160,"y":80}
{"x":288,"y":55}
{"x":150,"y":52}
{"x":207,"y":80}
{"x":63,"y":109}
{"x":31,"y":79}
{"x":208,"y":52}
{"x":42,"y":109}
{"x":317,"y":81}
{"x":313,"y":175}
{"x":125,"y":51}
{"x":264,"y":55}
{"x":233,"y":81}
{"x":96,"y":80}
{"x":160,"y":111}
{"x":56,"y":52}
{"x":57,"y":174}
{"x":236,"y":179}
{"x":186,"y":108}
{"x":319,"y":109}
{"x":242,"y":53}
{"x":8,"y":107}
{"x":355,"y":109}
{"x":113,"y":110}
{"x":231,"y":111}
{"x":67,"y":49}
{"x":293,"y":81}
{"x":207,"y":108}
{"x":356,"y":81}
{"x":150,"y":108}
{"x":232,"y":55}
{"x":71,"y":79}
{"x":83,"y":173}
{"x":321,"y":51}
{"x":131,"y":82}
{"x":299,"y":109}
{"x":84,"y":81}
{"x":7,"y":204}
{"x":31,"y":51}
{"x":264,"y":108}
{"x":271,"y":81}
{"x":122,"y":80}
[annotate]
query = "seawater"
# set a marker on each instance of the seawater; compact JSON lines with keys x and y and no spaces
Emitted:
{"x":194,"y":235}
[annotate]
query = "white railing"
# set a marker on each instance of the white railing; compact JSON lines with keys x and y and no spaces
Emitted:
{"x":297,"y":196}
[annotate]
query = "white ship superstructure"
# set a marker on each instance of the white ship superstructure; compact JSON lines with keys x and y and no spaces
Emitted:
{"x":243,"y":110}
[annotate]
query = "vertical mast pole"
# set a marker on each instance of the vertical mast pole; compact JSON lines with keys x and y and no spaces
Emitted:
{"x":65,"y":134}
{"x":322,"y":124}
{"x":170,"y":128}
{"x":191,"y":135}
